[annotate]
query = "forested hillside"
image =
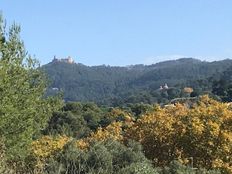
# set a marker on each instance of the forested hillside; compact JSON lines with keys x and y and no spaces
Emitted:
{"x":132,"y":84}
{"x":45,"y":135}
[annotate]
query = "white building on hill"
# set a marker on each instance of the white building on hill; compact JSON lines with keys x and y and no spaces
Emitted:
{"x":66,"y":60}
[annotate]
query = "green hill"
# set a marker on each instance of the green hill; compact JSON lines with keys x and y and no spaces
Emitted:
{"x":111,"y":85}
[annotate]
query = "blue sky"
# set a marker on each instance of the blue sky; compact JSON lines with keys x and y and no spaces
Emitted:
{"x":123,"y":32}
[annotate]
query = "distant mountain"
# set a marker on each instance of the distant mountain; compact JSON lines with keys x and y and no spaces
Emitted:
{"x":111,"y":84}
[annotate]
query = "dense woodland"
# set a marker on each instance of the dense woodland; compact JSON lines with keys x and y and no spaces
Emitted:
{"x":114,"y":86}
{"x":132,"y":128}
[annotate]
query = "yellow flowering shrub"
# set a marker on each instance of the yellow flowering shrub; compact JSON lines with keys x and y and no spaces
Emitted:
{"x":203,"y":132}
{"x":46,"y":146}
{"x":82,"y":143}
{"x":115,"y":112}
{"x":112,"y":131}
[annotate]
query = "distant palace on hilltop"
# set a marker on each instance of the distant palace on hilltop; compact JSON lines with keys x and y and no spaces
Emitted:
{"x":65,"y":60}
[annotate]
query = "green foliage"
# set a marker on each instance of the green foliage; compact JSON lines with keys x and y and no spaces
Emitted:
{"x":108,"y":157}
{"x":114,"y":86}
{"x":223,"y":86}
{"x":4,"y":169}
{"x":140,"y":109}
{"x":76,"y":120}
{"x":176,"y":167}
{"x":111,"y":157}
{"x":138,"y":168}
{"x":23,"y":111}
{"x":95,"y":134}
{"x":201,"y":132}
{"x":80,"y":119}
{"x":67,"y":123}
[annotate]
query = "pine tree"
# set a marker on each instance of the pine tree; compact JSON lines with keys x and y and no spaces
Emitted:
{"x":24,"y":110}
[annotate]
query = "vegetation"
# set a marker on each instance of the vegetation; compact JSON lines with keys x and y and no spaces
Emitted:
{"x":41,"y":135}
{"x":202,"y":133}
{"x":24,"y":111}
{"x":114,"y":86}
{"x":178,"y":138}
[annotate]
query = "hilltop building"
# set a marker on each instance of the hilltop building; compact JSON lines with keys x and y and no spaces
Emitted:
{"x":163,"y":87}
{"x":65,"y":60}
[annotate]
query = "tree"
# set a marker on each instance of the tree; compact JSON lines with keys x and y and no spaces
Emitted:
{"x":23,"y":109}
{"x":202,"y":133}
{"x":101,"y":157}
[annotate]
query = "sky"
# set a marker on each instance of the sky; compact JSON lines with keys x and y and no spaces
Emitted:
{"x":123,"y":32}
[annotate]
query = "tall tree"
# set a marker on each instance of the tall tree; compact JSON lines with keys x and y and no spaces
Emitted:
{"x":23,"y":109}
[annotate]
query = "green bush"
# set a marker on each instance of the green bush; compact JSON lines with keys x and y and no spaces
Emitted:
{"x":102,"y":157}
